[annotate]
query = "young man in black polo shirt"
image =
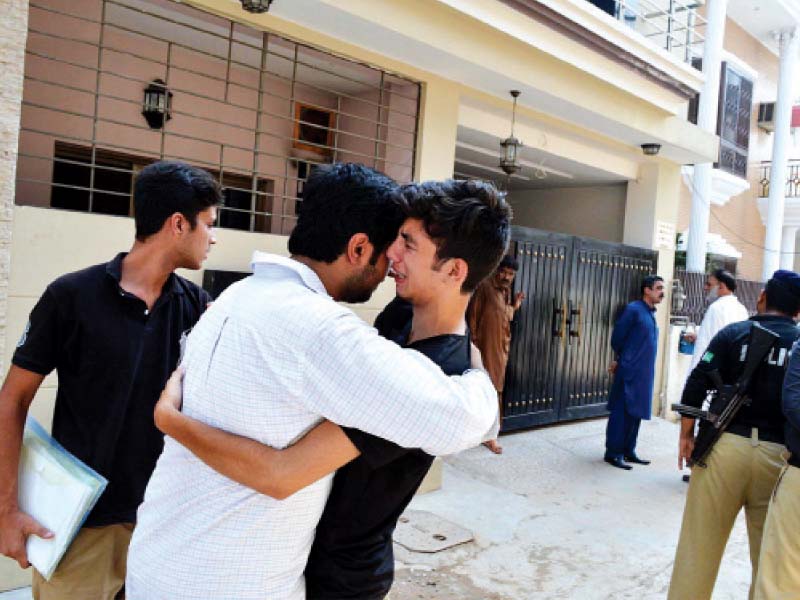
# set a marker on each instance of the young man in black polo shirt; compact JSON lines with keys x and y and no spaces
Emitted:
{"x":112,"y":333}
{"x":455,"y":235}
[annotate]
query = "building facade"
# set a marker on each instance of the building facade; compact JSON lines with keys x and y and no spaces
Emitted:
{"x":750,"y":63}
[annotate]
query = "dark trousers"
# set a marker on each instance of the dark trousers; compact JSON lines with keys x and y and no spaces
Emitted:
{"x":621,"y":431}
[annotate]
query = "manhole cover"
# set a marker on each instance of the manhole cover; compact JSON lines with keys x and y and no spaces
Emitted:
{"x":422,"y":531}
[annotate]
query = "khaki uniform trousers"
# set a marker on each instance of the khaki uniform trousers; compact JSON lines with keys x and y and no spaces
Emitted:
{"x":779,"y":566}
{"x":93,"y":567}
{"x":741,"y":472}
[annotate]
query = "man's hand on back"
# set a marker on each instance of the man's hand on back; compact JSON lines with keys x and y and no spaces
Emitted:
{"x":170,"y":400}
{"x":15,"y":527}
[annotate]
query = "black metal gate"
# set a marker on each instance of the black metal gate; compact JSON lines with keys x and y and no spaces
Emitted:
{"x":560,"y":337}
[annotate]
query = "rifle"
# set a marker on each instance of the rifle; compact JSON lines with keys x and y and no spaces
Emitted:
{"x":726,"y":399}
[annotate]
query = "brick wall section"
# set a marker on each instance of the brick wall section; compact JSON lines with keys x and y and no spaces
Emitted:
{"x":13,"y":33}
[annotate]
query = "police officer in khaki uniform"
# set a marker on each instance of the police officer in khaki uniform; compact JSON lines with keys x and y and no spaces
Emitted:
{"x":779,"y":565}
{"x":746,"y":461}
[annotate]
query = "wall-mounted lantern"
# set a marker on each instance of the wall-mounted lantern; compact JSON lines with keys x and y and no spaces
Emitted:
{"x":157,"y":106}
{"x":256,"y":6}
{"x":651,"y":149}
{"x":511,"y":145}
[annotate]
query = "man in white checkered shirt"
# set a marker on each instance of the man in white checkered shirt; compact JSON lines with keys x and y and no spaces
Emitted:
{"x":272,"y":357}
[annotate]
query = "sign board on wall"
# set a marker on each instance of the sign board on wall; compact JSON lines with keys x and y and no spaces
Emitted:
{"x":665,"y":235}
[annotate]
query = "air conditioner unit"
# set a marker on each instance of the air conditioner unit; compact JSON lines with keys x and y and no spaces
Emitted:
{"x":766,"y":116}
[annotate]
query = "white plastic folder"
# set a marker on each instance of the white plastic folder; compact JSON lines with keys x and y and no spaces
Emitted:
{"x":56,"y":489}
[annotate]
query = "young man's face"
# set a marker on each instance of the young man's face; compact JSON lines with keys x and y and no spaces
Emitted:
{"x":418,"y":274}
{"x":504,"y":277}
{"x":196,"y":244}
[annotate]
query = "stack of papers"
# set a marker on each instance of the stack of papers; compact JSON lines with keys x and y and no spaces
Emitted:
{"x":57,"y":490}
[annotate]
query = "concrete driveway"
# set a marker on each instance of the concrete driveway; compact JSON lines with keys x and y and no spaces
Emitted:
{"x":552,"y":520}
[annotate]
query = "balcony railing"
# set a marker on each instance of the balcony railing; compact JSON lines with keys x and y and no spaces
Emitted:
{"x":670,"y":24}
{"x":792,"y":179}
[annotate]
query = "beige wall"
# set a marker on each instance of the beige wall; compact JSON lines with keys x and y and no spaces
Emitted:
{"x":597,"y":212}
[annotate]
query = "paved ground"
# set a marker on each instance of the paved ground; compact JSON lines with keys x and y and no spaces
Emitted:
{"x":551,"y":520}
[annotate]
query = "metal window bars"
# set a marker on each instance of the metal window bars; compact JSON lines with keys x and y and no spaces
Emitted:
{"x":671,"y":24}
{"x":792,"y":179}
{"x":235,"y":92}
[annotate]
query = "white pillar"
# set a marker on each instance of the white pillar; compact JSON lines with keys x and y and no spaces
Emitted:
{"x":788,"y":240}
{"x":790,"y":50}
{"x":707,"y":120}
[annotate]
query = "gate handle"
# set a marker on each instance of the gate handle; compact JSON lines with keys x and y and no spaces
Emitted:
{"x":557,"y":323}
{"x":575,"y":318}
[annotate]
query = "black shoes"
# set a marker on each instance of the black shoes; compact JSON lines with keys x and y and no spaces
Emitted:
{"x":636,"y":460}
{"x":617,"y":462}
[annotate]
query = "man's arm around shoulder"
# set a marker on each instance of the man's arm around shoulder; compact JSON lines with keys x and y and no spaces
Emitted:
{"x":277,"y":473}
{"x":357,"y":379}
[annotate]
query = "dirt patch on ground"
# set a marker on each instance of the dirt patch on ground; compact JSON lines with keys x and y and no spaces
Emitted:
{"x":437,"y":584}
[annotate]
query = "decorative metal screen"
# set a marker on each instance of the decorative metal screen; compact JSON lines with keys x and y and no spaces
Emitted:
{"x":733,"y":124}
{"x":256,"y":110}
{"x":792,"y":179}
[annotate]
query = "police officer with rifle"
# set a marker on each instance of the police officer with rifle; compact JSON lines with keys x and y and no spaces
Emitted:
{"x":736,"y":455}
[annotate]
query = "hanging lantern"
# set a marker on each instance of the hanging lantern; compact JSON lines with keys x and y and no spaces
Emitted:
{"x":256,"y":6}
{"x":157,"y":106}
{"x":509,"y":160}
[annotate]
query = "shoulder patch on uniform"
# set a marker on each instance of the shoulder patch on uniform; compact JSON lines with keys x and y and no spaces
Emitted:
{"x":708,"y":357}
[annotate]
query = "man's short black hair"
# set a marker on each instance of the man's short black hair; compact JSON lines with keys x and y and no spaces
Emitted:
{"x":781,"y":298}
{"x":469,"y":220}
{"x":725,"y":277}
{"x":167,"y":187}
{"x":339,"y":201}
{"x":509,"y":262}
{"x":649,"y":281}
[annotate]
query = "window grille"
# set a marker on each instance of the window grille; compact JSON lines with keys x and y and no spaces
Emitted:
{"x":255,"y":109}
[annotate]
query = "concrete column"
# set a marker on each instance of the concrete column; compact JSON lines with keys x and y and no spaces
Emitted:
{"x":438,"y":129}
{"x":707,"y":120}
{"x":13,"y":35}
{"x":651,"y":202}
{"x":790,"y":49}
{"x":788,"y":239}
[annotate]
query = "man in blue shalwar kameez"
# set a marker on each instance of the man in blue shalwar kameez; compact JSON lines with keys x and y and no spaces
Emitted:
{"x":635,"y":342}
